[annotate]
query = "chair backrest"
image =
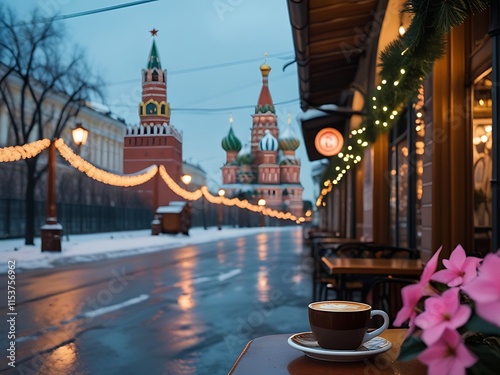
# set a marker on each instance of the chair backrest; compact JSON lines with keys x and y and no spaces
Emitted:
{"x":384,"y":293}
{"x":386,"y":251}
{"x":351,"y":250}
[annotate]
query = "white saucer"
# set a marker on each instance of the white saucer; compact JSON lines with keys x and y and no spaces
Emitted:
{"x":306,"y":342}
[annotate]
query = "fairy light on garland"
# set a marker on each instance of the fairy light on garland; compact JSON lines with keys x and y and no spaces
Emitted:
{"x":100,"y":175}
{"x":26,"y":151}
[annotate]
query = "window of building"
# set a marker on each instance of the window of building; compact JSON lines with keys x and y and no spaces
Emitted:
{"x":155,"y":76}
{"x":482,"y":159}
{"x":405,"y":176}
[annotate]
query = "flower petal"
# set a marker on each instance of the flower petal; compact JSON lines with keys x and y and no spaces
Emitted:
{"x":489,"y":312}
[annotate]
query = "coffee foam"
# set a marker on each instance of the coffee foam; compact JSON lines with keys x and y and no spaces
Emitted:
{"x":339,"y":306}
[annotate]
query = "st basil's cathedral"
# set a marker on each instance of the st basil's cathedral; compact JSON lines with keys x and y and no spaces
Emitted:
{"x":267,"y":167}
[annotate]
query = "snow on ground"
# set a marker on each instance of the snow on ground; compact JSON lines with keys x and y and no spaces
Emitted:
{"x":93,"y":247}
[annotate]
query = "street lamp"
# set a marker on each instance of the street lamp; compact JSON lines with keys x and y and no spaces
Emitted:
{"x":80,"y":135}
{"x":221,"y":193}
{"x":186,"y":179}
{"x":261,"y":203}
{"x":51,"y":231}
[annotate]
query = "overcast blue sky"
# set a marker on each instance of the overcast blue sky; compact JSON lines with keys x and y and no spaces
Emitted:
{"x":192,"y":34}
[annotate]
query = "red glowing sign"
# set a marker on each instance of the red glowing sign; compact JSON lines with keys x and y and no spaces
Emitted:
{"x":329,"y":141}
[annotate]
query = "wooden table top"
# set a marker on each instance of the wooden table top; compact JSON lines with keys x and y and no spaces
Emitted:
{"x":373,"y":266}
{"x":271,"y":355}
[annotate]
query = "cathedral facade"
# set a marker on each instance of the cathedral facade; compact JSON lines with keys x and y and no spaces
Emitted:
{"x":267,"y":167}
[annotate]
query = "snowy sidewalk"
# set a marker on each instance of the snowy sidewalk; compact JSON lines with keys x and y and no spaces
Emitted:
{"x":93,"y":247}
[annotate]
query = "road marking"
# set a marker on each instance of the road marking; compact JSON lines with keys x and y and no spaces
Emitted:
{"x":228,"y":275}
{"x":107,"y":309}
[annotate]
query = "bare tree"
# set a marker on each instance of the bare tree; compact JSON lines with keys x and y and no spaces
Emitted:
{"x":43,"y":86}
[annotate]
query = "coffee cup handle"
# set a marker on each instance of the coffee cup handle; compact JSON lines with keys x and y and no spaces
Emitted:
{"x":371,"y":335}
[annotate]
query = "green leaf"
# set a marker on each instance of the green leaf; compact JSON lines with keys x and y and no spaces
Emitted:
{"x":411,"y":348}
{"x":477,"y":324}
{"x":489,"y":359}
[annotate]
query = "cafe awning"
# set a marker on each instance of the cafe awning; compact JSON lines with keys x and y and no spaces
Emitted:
{"x":333,"y":48}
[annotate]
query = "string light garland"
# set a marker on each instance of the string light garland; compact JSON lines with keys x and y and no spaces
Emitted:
{"x":26,"y":151}
{"x":29,"y":150}
{"x":404,"y":65}
{"x":100,"y":175}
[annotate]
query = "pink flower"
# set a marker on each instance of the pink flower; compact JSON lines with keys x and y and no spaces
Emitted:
{"x":448,"y":356}
{"x":460,"y":270}
{"x":442,"y":312}
{"x":411,"y":294}
{"x":485,"y":289}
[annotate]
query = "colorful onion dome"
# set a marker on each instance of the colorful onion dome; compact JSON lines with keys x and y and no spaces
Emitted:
{"x":289,"y":161}
{"x":268,"y":142}
{"x":230,"y":142}
{"x":288,"y":141}
{"x":245,"y":156}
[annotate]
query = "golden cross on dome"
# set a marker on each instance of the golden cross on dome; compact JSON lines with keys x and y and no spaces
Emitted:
{"x":289,"y":118}
{"x":231,"y":118}
{"x":265,"y":57}
{"x":153,"y":32}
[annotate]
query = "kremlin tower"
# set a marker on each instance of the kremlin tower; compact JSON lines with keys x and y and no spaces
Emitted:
{"x":154,"y":140}
{"x":267,"y":167}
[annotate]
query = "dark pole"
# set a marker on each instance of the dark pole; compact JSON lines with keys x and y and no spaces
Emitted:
{"x":156,"y":223}
{"x":495,"y":149}
{"x":220,"y":216}
{"x":412,"y":180}
{"x":203,"y":212}
{"x":51,"y":231}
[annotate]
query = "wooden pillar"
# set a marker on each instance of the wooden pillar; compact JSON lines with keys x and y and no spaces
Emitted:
{"x":452,"y":198}
{"x":381,"y":189}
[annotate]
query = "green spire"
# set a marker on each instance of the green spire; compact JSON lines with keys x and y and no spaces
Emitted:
{"x":154,"y":58}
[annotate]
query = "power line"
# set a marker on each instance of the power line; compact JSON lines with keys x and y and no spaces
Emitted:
{"x":206,"y":67}
{"x":216,"y":110}
{"x":89,"y":12}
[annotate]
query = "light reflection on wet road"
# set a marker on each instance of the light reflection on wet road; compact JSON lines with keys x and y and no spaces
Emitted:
{"x":185,"y":311}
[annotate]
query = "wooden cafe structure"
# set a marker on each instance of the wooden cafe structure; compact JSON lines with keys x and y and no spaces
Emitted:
{"x":417,"y":120}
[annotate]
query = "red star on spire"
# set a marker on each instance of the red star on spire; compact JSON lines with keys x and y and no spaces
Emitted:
{"x":153,"y":32}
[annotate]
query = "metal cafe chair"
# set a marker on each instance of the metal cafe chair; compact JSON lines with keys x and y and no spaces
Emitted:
{"x":384,"y":293}
{"x":326,"y":283}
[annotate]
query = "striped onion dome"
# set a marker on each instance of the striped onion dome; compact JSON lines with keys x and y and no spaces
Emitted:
{"x":289,"y":161}
{"x":268,"y":142}
{"x":230,"y":142}
{"x":288,"y":141}
{"x":245,"y":156}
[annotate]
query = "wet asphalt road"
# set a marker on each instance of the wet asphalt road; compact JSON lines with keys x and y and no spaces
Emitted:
{"x":181,"y":311}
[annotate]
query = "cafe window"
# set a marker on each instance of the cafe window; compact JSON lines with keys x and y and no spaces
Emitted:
{"x":405,"y":176}
{"x":482,"y":159}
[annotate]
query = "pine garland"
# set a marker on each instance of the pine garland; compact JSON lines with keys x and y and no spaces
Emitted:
{"x":405,"y":63}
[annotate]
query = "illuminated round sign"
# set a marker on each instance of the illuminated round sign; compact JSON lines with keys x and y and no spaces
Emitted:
{"x":329,"y":142}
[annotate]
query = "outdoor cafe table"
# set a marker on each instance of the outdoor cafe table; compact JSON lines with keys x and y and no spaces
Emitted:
{"x":372,"y":266}
{"x":271,"y":355}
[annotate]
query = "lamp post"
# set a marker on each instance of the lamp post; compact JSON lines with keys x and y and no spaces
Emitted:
{"x":221,"y":193}
{"x":286,"y":201}
{"x":261,"y":203}
{"x":51,"y":231}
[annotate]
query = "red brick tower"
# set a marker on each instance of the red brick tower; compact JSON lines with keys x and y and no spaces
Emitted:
{"x":154,"y":140}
